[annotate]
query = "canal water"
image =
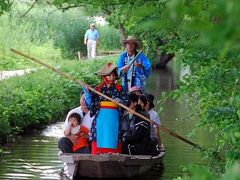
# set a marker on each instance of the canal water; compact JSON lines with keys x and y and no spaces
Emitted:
{"x":36,"y":156}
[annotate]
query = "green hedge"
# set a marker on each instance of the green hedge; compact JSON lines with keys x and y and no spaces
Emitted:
{"x":38,"y":98}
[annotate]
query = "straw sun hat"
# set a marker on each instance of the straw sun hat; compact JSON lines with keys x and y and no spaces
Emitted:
{"x":134,"y":40}
{"x":107,"y":69}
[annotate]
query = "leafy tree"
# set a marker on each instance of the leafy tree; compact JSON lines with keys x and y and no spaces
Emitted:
{"x":5,"y":5}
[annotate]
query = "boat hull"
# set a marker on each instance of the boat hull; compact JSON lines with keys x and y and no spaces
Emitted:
{"x":108,"y":165}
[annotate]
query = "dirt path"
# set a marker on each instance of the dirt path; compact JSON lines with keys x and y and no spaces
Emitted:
{"x":8,"y":74}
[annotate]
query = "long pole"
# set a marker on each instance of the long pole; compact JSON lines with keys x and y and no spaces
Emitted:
{"x":106,"y":97}
{"x":135,"y":57}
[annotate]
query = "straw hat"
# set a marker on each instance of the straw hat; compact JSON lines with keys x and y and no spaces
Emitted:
{"x":135,"y":88}
{"x":107,"y":69}
{"x":134,"y":40}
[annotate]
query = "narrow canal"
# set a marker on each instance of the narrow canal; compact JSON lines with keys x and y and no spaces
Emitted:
{"x":36,"y":156}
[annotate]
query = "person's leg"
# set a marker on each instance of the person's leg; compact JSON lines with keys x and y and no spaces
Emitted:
{"x":65,"y":145}
{"x":84,"y":150}
{"x":89,"y":49}
{"x":94,"y":48}
{"x":94,"y":149}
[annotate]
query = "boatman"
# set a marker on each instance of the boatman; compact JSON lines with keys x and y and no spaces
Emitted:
{"x":133,"y":70}
{"x":106,"y":128}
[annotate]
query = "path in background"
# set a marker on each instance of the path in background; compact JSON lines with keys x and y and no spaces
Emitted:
{"x":8,"y":74}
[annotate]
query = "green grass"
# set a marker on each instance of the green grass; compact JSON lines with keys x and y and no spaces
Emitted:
{"x":38,"y":98}
{"x":50,"y":36}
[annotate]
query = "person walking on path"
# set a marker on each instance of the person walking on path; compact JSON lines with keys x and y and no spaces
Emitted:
{"x":91,"y":39}
{"x":133,"y":73}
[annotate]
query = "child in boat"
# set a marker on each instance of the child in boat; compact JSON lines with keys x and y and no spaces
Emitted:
{"x":106,"y":126}
{"x":75,"y":128}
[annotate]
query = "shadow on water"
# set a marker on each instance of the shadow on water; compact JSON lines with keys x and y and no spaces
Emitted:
{"x":36,"y":156}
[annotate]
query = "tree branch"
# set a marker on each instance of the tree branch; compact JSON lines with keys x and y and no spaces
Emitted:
{"x":29,"y":9}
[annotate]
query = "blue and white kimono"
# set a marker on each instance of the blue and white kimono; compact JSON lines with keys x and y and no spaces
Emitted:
{"x":135,"y":76}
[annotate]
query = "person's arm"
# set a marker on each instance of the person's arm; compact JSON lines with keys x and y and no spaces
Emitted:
{"x":157,"y":131}
{"x":157,"y":128}
{"x":65,"y":125}
{"x":85,"y":37}
{"x":145,"y":65}
{"x":97,"y":39}
{"x":122,"y":68}
{"x":67,"y":130}
{"x":137,"y":136}
{"x":84,"y":132}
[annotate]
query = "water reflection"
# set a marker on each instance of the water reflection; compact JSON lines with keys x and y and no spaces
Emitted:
{"x":36,"y":157}
{"x":178,"y":153}
{"x":162,"y":80}
{"x":31,"y":158}
{"x":55,"y":130}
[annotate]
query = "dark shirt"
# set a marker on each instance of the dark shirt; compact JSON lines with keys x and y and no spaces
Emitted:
{"x":136,"y":129}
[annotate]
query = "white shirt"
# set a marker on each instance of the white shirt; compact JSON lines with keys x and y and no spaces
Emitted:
{"x":75,"y":130}
{"x":154,"y":117}
{"x":86,"y":121}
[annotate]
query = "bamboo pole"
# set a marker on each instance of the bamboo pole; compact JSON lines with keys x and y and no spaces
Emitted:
{"x":106,"y":97}
{"x":135,"y":57}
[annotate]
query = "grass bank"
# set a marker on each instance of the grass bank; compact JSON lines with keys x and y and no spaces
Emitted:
{"x":42,"y":97}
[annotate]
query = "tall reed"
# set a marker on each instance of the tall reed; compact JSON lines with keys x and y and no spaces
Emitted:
{"x":48,"y":33}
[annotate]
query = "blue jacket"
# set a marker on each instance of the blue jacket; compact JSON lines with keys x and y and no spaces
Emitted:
{"x":139,"y":75}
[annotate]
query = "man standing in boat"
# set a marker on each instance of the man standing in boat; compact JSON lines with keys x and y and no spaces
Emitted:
{"x":133,"y":66}
{"x":106,"y":128}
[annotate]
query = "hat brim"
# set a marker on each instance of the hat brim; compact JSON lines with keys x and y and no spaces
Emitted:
{"x":138,"y":43}
{"x":107,"y":72}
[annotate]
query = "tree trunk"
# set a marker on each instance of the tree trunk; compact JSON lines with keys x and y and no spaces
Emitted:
{"x":122,"y":32}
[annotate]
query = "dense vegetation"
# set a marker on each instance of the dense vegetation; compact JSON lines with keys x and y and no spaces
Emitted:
{"x":204,"y":35}
{"x":41,"y":97}
{"x":53,"y":36}
{"x":49,"y":34}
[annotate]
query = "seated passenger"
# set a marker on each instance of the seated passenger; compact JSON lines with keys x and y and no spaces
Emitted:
{"x":155,"y":129}
{"x":65,"y":144}
{"x":136,"y":90}
{"x":75,"y":128}
{"x":136,"y":131}
{"x":142,"y":101}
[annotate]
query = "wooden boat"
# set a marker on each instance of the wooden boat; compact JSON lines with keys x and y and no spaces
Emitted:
{"x":108,"y":165}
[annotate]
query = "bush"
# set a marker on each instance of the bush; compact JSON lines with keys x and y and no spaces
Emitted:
{"x":36,"y":99}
